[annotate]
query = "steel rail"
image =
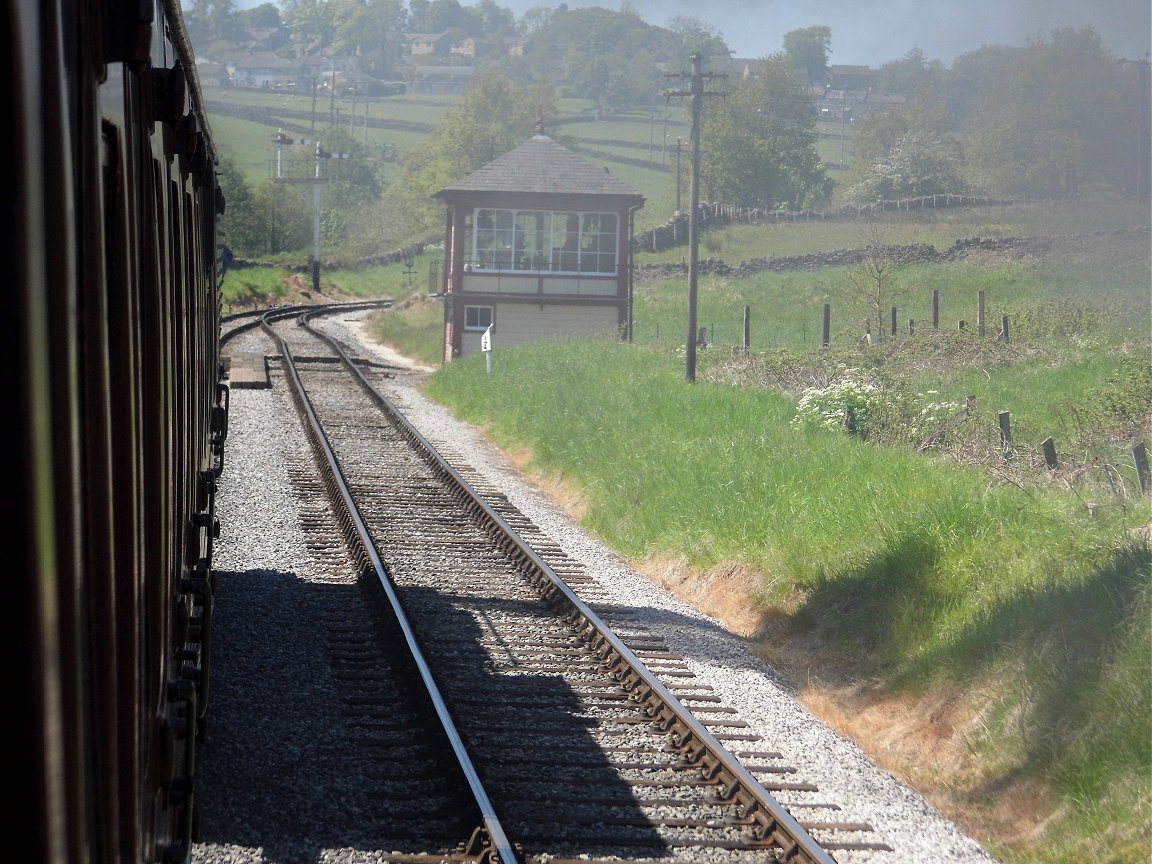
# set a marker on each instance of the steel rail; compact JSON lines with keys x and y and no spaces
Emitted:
{"x":498,"y":843}
{"x":772,"y":818}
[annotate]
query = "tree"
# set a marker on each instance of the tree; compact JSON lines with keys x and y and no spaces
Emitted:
{"x":593,"y":49}
{"x":534,"y":20}
{"x":1049,"y":118}
{"x":905,"y":152}
{"x":613,"y":82}
{"x":808,"y":49}
{"x":493,"y":117}
{"x":266,"y":16}
{"x":492,"y":20}
{"x":210,"y":23}
{"x":913,"y":75}
{"x":241,"y":221}
{"x":693,"y":36}
{"x":314,"y":22}
{"x":873,"y":279}
{"x":759,"y":142}
{"x":363,"y":28}
{"x":917,"y":165}
{"x":444,"y":15}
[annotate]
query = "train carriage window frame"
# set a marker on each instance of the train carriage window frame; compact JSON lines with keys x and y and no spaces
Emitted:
{"x":584,"y":243}
{"x":478,"y":318}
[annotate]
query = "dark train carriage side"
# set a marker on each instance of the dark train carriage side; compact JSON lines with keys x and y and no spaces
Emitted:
{"x":111,"y":204}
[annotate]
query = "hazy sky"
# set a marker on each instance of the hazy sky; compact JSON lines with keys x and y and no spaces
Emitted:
{"x":873,"y":32}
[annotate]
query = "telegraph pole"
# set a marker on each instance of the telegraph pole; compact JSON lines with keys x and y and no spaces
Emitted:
{"x":696,"y":92}
{"x":1143,"y":144}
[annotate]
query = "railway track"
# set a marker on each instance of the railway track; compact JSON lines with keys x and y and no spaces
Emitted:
{"x":545,"y":722}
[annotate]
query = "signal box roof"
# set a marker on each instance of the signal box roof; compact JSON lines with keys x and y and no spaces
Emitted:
{"x":540,"y":167}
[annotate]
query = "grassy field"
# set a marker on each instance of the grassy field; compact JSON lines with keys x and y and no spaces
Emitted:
{"x":244,"y":122}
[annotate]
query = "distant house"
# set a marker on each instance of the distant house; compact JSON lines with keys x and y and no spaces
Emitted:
{"x":851,"y":78}
{"x":472,"y":47}
{"x":212,"y":73}
{"x":538,"y":246}
{"x":268,"y":71}
{"x":440,"y":80}
{"x":737,"y":67}
{"x":426,"y":44}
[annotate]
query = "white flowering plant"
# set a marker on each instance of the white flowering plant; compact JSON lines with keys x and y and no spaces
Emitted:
{"x":849,"y":403}
{"x":862,"y":406}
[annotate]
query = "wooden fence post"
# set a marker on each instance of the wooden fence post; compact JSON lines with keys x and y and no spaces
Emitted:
{"x":1140,"y":455}
{"x":1003,"y":335}
{"x":1049,"y":447}
{"x":893,"y":320}
{"x":747,"y":327}
{"x":980,"y":314}
{"x":911,"y":326}
{"x":935,"y":308}
{"x":1006,"y":435}
{"x":827,"y":323}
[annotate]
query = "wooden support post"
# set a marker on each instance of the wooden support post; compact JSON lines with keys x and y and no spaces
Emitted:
{"x":893,"y":321}
{"x":1003,"y":336}
{"x":1049,"y":447}
{"x":1006,"y":435}
{"x":961,"y":324}
{"x":935,"y":309}
{"x":980,"y":314}
{"x":747,"y":327}
{"x":911,"y":326}
{"x":827,"y":324}
{"x":1140,"y":455}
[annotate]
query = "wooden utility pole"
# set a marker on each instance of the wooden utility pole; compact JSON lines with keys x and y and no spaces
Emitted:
{"x":1144,"y":133}
{"x":696,"y":92}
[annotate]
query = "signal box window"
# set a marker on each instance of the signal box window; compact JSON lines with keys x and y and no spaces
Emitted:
{"x":477,"y":317}
{"x":540,"y":241}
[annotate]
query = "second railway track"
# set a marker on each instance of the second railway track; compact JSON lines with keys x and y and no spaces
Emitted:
{"x":573,"y":735}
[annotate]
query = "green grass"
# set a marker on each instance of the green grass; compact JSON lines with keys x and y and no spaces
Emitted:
{"x":255,"y":287}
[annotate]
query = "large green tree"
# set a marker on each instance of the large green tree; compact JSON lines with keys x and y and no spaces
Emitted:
{"x":1046,"y":118}
{"x":905,"y":153}
{"x":364,"y":28}
{"x":494,"y":116}
{"x":758,"y":142}
{"x":913,"y":75}
{"x":611,"y":57}
{"x":808,"y":49}
{"x":314,"y":22}
{"x":690,"y":36}
{"x":210,"y":23}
